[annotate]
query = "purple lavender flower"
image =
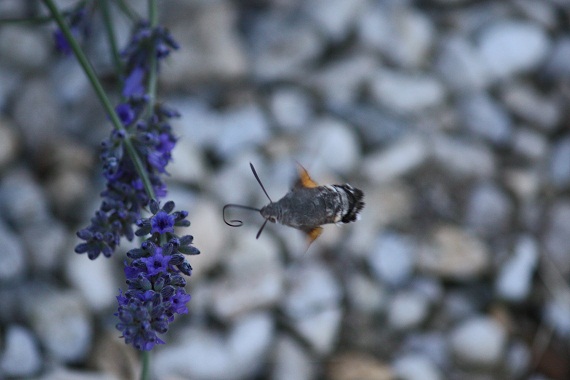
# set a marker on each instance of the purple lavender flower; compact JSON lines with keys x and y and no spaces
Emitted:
{"x":152,"y":138}
{"x":155,"y":284}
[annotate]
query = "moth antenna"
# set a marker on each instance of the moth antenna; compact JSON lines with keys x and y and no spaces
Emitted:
{"x":260,"y":184}
{"x":236,"y":222}
{"x":261,"y":229}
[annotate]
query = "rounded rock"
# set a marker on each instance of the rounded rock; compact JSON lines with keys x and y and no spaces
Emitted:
{"x":416,"y":367}
{"x":13,"y":257}
{"x":291,"y":108}
{"x":489,"y":209}
{"x":21,"y":356}
{"x":61,"y":321}
{"x":479,"y":341}
{"x":515,"y":276}
{"x":485,"y":117}
{"x":512,"y":47}
{"x":406,"y":93}
{"x":292,"y":361}
{"x":335,"y":145}
{"x":392,"y":260}
{"x":453,"y":253}
{"x":407,"y":310}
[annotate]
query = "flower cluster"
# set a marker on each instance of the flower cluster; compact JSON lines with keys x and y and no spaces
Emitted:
{"x":155,"y":284}
{"x":147,"y":128}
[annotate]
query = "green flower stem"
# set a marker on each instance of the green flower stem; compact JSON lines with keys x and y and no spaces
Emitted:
{"x":151,"y":84}
{"x":145,"y":363}
{"x":103,"y":98}
{"x":104,"y":4}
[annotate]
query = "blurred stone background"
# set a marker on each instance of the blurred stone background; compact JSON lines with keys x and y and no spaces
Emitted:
{"x":450,"y":115}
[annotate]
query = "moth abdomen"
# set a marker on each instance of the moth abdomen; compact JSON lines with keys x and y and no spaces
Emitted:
{"x":352,"y":203}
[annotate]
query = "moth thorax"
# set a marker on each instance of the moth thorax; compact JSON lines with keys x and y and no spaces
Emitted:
{"x":271,"y":212}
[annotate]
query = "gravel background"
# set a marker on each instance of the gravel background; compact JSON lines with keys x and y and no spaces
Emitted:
{"x":450,"y":115}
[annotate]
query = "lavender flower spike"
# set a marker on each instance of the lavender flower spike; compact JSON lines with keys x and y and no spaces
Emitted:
{"x":154,"y":277}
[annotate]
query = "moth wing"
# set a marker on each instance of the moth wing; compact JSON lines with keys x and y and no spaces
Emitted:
{"x":312,"y":233}
{"x":304,"y":179}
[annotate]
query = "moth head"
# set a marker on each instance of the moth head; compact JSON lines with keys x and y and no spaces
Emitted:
{"x":271,"y":212}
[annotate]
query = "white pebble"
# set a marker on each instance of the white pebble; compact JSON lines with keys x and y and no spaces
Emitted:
{"x":479,"y":341}
{"x":515,"y":277}
{"x":407,"y":310}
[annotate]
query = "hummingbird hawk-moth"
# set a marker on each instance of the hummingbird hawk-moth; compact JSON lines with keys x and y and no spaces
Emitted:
{"x":307,"y":206}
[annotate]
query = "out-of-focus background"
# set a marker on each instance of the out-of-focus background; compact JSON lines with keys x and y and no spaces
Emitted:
{"x":450,"y":115}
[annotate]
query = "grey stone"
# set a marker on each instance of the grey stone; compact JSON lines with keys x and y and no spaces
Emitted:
{"x":366,"y":118}
{"x":403,"y":35}
{"x":26,"y":49}
{"x":460,"y":66}
{"x":557,"y":236}
{"x":530,"y":144}
{"x":486,"y":118}
{"x":557,"y":64}
{"x":416,"y":367}
{"x":9,"y":143}
{"x":21,"y":356}
{"x":515,"y":276}
{"x":407,"y":310}
{"x":250,"y":340}
{"x":291,"y":108}
{"x":543,"y":13}
{"x":254,"y":277}
{"x":512,"y":47}
{"x":61,"y":321}
{"x":556,"y":310}
{"x":432,"y":345}
{"x":334,"y":17}
{"x":95,"y":280}
{"x":489,"y":209}
{"x":313,"y":287}
{"x":559,"y":165}
{"x":342,"y":81}
{"x":525,"y":184}
{"x":188,"y":163}
{"x":46,"y":244}
{"x":392,"y":259}
{"x":292,"y":361}
{"x":320,"y":329}
{"x":403,"y":92}
{"x":366,"y":295}
{"x":37,"y":114}
{"x":312,"y":306}
{"x":453,"y":253}
{"x":479,"y":341}
{"x":398,"y":160}
{"x":525,"y":102}
{"x":13,"y":257}
{"x":334,"y":146}
{"x":240,"y":128}
{"x":22,"y":200}
{"x":210,"y":233}
{"x":239,"y":355}
{"x":212,"y":49}
{"x":283,"y":48}
{"x":462,"y":160}
{"x":518,"y":359}
{"x":11,"y":79}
